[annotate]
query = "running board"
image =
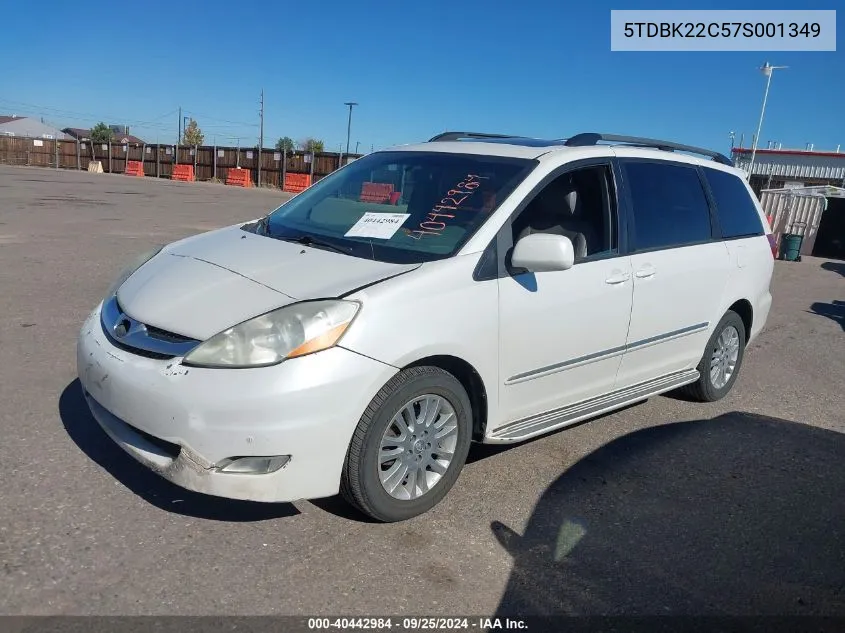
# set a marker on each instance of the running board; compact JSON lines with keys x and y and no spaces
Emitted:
{"x":552,"y":420}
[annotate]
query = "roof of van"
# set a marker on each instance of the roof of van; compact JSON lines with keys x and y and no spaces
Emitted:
{"x":533,"y":148}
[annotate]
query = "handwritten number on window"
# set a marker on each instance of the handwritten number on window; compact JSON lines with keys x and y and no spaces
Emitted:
{"x":452,"y":202}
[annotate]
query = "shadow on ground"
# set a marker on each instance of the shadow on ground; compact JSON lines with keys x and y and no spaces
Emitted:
{"x":835,"y":310}
{"x":740,"y":514}
{"x":837,"y":267}
{"x":88,"y":436}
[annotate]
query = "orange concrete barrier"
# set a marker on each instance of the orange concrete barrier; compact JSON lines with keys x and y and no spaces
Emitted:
{"x":295,"y":183}
{"x":378,"y":192}
{"x":239,"y":177}
{"x":183,"y":173}
{"x":134,"y":168}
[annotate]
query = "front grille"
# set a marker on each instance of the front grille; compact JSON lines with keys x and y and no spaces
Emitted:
{"x":164,"y":335}
{"x":139,"y":338}
{"x":137,"y":350}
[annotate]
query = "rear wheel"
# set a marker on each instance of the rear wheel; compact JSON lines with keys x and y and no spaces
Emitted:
{"x":721,"y":362}
{"x":410,"y":445}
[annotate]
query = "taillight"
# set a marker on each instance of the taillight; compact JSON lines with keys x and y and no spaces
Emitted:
{"x":773,"y":243}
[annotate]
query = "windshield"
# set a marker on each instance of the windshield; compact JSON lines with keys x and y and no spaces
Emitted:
{"x":399,"y":207}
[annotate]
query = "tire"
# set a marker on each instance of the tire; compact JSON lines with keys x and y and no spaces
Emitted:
{"x":705,"y":389}
{"x":361,"y":480}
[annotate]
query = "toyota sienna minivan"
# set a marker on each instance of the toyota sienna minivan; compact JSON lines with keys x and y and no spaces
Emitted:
{"x":473,"y":288}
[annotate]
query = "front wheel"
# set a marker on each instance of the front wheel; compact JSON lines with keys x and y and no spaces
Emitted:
{"x":410,"y":445}
{"x":722,"y":359}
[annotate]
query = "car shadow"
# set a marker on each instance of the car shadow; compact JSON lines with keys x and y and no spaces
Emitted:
{"x":837,"y":267}
{"x":741,"y":514}
{"x":93,"y":441}
{"x":339,"y":507}
{"x":835,"y":310}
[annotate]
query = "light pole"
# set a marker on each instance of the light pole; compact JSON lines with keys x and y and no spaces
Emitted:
{"x":350,"y":105}
{"x":767,"y":69}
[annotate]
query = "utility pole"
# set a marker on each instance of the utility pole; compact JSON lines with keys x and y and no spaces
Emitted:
{"x":260,"y":137}
{"x":179,"y":128}
{"x":350,"y":104}
{"x":767,"y":69}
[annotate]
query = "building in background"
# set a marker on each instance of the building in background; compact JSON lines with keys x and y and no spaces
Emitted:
{"x":120,"y":132}
{"x":816,"y":213}
{"x":78,"y":133}
{"x":776,"y":168}
{"x":27,"y":127}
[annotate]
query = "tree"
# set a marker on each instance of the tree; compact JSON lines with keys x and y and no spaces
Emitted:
{"x":311,"y":145}
{"x":101,"y":133}
{"x":285,"y":144}
{"x":192,"y":134}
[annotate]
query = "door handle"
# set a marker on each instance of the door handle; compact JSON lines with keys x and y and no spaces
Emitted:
{"x":617,"y":278}
{"x":645,"y":272}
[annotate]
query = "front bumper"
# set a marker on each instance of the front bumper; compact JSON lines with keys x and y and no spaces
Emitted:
{"x":182,"y":421}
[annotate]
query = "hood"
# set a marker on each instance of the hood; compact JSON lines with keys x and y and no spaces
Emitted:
{"x":202,"y":285}
{"x":301,"y":272}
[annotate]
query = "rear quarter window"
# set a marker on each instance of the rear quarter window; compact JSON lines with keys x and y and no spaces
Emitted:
{"x":737,"y":213}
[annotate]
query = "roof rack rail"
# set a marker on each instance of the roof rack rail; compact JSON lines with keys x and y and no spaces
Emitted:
{"x":456,"y":136}
{"x":592,"y":138}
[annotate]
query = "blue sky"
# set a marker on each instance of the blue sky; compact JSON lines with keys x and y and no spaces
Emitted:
{"x":527,"y":67}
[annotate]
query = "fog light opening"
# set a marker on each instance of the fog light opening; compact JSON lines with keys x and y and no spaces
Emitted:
{"x":253,"y":465}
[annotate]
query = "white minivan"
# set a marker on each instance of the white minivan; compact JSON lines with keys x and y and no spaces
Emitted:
{"x":476,"y":287}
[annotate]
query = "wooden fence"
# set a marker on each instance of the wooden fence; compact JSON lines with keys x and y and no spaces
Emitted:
{"x":210,"y":162}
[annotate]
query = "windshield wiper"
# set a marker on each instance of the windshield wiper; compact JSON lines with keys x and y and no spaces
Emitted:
{"x":307,"y":240}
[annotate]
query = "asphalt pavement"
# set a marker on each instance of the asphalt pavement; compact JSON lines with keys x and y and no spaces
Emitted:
{"x":663,"y":508}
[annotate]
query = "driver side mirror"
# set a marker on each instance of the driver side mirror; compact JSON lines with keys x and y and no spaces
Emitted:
{"x":543,"y":252}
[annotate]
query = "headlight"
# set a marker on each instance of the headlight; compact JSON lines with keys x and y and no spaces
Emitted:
{"x":295,"y":330}
{"x":131,"y":268}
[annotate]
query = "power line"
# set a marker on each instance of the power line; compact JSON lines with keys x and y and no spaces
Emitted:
{"x":207,"y":117}
{"x":45,"y":110}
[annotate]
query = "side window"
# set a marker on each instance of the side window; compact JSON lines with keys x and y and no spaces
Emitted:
{"x":669,"y":205}
{"x":738,"y":216}
{"x":580,"y":205}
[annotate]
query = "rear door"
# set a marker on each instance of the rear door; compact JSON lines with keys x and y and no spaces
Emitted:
{"x":680,"y":268}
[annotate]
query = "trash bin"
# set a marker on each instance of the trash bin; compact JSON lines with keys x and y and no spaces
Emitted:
{"x":790,"y":243}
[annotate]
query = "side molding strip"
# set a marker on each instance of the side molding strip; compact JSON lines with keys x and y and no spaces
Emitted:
{"x":605,"y":354}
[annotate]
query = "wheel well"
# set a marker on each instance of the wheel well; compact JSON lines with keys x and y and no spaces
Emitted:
{"x":746,"y":313}
{"x":471,"y":382}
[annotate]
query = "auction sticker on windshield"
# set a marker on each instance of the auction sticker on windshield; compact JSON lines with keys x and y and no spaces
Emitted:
{"x":379,"y":225}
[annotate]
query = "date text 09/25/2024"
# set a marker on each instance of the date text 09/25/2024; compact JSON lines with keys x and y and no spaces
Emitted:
{"x":416,"y":624}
